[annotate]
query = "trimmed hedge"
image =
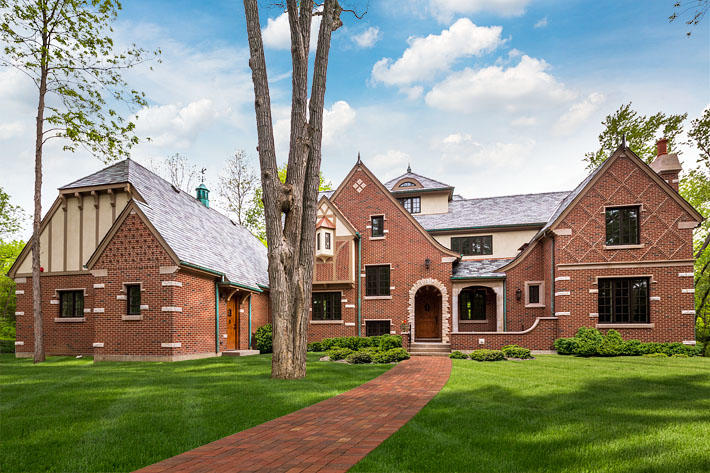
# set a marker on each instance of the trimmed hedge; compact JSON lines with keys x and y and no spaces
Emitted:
{"x":457,"y":355}
{"x":591,"y":342}
{"x":381,"y":342}
{"x":264,"y":338}
{"x":487,"y":355}
{"x":515,"y":351}
{"x":336,"y":354}
{"x":359,"y":357}
{"x":392,"y":355}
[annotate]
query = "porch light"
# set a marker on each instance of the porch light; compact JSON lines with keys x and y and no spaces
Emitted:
{"x":518,"y":294}
{"x":427,"y":263}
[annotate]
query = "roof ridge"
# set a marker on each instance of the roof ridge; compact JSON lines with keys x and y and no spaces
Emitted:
{"x":94,"y":173}
{"x":464,"y":199}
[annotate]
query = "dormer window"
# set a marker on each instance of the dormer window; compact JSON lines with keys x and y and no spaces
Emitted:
{"x":413,"y":205}
{"x":324,"y":243}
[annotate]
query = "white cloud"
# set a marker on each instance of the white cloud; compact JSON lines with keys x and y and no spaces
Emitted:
{"x":578,"y":113}
{"x":436,"y":53}
{"x":277,"y":34}
{"x":541,"y":23}
{"x":524,"y":121}
{"x":445,"y":10}
{"x":461,"y":149}
{"x":174,"y":125}
{"x":525,"y":85}
{"x":389,"y":164}
{"x":367,"y":38}
{"x":337,"y":120}
{"x":11,"y":130}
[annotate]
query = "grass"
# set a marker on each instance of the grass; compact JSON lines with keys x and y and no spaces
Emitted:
{"x":559,"y":414}
{"x":73,"y":415}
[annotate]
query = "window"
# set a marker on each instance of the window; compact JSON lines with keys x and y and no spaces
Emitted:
{"x":413,"y":205}
{"x":534,"y":294}
{"x":407,"y":184}
{"x":377,"y":280}
{"x":326,"y":306}
{"x":318,"y":241}
{"x":472,"y":304}
{"x":71,"y":303}
{"x":375,"y":328}
{"x":133,"y":293}
{"x":623,"y":300}
{"x":473,"y":245}
{"x":378,"y":226}
{"x":622,"y":226}
{"x":327,"y":240}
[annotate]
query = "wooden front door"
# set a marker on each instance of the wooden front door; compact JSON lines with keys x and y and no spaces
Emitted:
{"x":427,"y":313}
{"x":232,"y":324}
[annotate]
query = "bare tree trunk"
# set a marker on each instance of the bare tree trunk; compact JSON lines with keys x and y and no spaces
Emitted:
{"x":36,"y":285}
{"x":290,"y":244}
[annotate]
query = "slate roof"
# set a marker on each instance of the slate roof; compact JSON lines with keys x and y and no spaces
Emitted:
{"x":523,"y":209}
{"x":198,"y":235}
{"x":485,"y":268}
{"x":426,"y":183}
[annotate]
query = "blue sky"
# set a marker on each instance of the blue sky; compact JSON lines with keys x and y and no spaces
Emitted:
{"x":495,"y":97}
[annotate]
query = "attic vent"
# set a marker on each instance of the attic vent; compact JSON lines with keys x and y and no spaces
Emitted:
{"x":175,"y":188}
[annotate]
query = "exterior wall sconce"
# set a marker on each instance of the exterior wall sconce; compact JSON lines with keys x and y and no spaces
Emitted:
{"x":427,"y":263}
{"x":518,"y":294}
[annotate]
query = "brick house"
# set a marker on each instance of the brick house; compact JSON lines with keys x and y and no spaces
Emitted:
{"x":408,"y":256}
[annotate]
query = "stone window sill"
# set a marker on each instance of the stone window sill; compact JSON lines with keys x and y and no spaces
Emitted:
{"x":624,"y":247}
{"x":378,"y":238}
{"x":69,"y":319}
{"x":534,"y":306}
{"x":626,"y":325}
{"x":318,"y":322}
{"x":131,"y":317}
{"x":374,"y":298}
{"x":474,"y":321}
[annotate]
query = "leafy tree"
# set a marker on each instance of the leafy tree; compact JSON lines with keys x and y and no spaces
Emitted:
{"x":641,"y":133}
{"x":9,"y":251}
{"x":65,"y":48}
{"x":699,"y":135}
{"x":177,"y":169}
{"x":11,"y":216}
{"x":692,"y":12}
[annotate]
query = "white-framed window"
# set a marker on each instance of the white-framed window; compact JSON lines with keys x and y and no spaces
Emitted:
{"x":534,"y":293}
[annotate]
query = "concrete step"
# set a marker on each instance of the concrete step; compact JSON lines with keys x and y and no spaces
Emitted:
{"x":431,"y":349}
{"x":239,"y":352}
{"x":430,"y":345}
{"x":428,"y":353}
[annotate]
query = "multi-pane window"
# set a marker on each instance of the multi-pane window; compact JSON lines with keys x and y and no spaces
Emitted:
{"x":413,"y":205}
{"x":377,"y":280}
{"x":534,"y":294}
{"x":318,"y":241}
{"x":622,"y":226}
{"x":133,"y":297}
{"x":71,"y":303}
{"x":407,"y":184}
{"x":374,"y":328}
{"x":473,"y":245}
{"x":623,"y":300}
{"x":327,"y":240}
{"x":326,"y":306}
{"x":378,"y":226}
{"x":472,"y":304}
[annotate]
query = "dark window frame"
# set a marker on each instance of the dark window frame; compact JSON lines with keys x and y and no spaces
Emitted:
{"x":377,"y":280}
{"x":327,"y":244}
{"x":621,"y":227}
{"x":477,"y":245}
{"x":534,"y":294}
{"x":468,"y":302}
{"x":374,"y":328}
{"x":377,"y":229}
{"x":624,"y":300}
{"x":326,"y":305}
{"x":131,"y":307}
{"x":76,"y":295}
{"x":413,"y":205}
{"x":407,"y":184}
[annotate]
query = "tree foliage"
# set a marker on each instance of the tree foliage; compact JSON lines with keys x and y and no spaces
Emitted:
{"x":237,"y":185}
{"x":641,"y":133}
{"x":11,"y":216}
{"x":9,"y":251}
{"x":691,"y":12}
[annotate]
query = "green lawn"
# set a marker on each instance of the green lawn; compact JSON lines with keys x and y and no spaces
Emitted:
{"x":73,"y":415}
{"x":554,"y":413}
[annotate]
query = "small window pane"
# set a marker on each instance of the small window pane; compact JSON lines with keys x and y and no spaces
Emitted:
{"x":375,"y":328}
{"x":622,"y":226}
{"x":326,"y":306}
{"x":133,"y":295}
{"x":534,"y":294}
{"x":377,"y":280}
{"x":327,"y":240}
{"x":413,"y":205}
{"x":71,"y":304}
{"x":377,"y":224}
{"x":473,"y":245}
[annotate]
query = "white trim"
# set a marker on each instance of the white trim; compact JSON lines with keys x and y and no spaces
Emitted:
{"x":349,"y":306}
{"x":541,"y":294}
{"x":121,"y":297}
{"x":562,"y":293}
{"x":54,"y":301}
{"x":685,"y":225}
{"x":145,"y":307}
{"x":171,"y":283}
{"x":654,"y":298}
{"x":131,"y":317}
{"x":326,"y":322}
{"x":99,"y":273}
{"x":689,"y":342}
{"x":70,"y":319}
{"x":448,"y":259}
{"x":643,"y":326}
{"x":19,"y":292}
{"x":562,"y":231}
{"x":688,"y":291}
{"x":19,"y":343}
{"x":20,"y":280}
{"x":87,"y":311}
{"x":99,"y":286}
{"x":167,"y":269}
{"x":349,"y":324}
{"x":171,"y":345}
{"x":171,"y":309}
{"x":343,"y":300}
{"x":593,"y":291}
{"x":19,"y":313}
{"x":562,"y":278}
{"x":624,"y":247}
{"x":593,"y":314}
{"x":685,"y":275}
{"x":373,"y":298}
{"x":560,"y":313}
{"x":688,"y":312}
{"x":98,"y":345}
{"x":98,"y":310}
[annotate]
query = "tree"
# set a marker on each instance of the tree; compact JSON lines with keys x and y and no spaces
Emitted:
{"x":65,"y":48}
{"x":237,"y":184}
{"x":699,"y":135}
{"x":9,"y":251}
{"x":641,"y":134}
{"x":290,"y":206}
{"x":177,"y":169}
{"x":11,"y":216}
{"x":693,"y":11}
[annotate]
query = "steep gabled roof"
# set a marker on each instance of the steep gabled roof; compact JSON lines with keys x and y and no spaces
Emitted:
{"x":427,"y":183}
{"x":198,"y":235}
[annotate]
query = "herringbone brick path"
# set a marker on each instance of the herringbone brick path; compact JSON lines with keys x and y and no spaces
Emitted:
{"x":330,"y":436}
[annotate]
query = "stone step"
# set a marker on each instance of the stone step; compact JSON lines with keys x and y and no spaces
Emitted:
{"x":430,"y":345}
{"x":239,"y":352}
{"x":431,"y":349}
{"x":428,"y":353}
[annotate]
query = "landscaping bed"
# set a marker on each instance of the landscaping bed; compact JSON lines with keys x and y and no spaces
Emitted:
{"x":591,"y":342}
{"x":361,"y":350}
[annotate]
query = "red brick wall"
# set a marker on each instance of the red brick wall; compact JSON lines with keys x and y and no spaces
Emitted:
{"x":531,"y":268}
{"x":194,"y":327}
{"x":260,"y":316}
{"x":541,"y":337}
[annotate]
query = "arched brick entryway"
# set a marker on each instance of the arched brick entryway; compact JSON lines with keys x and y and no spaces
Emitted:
{"x":445,"y":307}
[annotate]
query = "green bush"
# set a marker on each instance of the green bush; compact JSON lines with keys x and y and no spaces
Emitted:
{"x":264,"y":338}
{"x":632,"y":348}
{"x":611,"y":344}
{"x":515,"y":351}
{"x":7,"y":346}
{"x":315,"y":346}
{"x":679,"y":355}
{"x":359,"y":357}
{"x":388,"y":342}
{"x":487,"y":355}
{"x":566,"y":346}
{"x":457,"y":355}
{"x":588,"y":341}
{"x":655,"y":355}
{"x":337,"y":353}
{"x":382,"y":342}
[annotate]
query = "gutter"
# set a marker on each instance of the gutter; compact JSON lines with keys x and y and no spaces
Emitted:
{"x":486,"y":227}
{"x":359,"y":284}
{"x":221,"y":275}
{"x":216,"y":317}
{"x":249,"y":345}
{"x":505,"y":305}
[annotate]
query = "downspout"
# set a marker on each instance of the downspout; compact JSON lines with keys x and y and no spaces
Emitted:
{"x":216,"y":316}
{"x":359,"y":284}
{"x":505,"y":306}
{"x":552,"y":278}
{"x":249,"y":346}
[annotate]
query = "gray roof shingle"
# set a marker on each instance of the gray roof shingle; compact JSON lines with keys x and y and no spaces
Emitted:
{"x":524,"y":209}
{"x":426,"y":183}
{"x":198,"y":235}
{"x":485,"y":268}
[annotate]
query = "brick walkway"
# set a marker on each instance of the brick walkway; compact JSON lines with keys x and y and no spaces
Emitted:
{"x":330,"y":436}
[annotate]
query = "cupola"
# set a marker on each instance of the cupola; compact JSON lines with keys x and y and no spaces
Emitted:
{"x":203,"y":194}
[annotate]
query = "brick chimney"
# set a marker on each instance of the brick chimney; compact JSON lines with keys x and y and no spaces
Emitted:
{"x":666,"y":164}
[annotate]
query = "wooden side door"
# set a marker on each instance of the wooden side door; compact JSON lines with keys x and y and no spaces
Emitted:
{"x":427,"y":311}
{"x":232,"y":324}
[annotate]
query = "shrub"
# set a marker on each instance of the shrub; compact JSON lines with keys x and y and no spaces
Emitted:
{"x":487,"y":355}
{"x":457,"y":355}
{"x":393,"y":355}
{"x":611,"y":344}
{"x":315,"y":346}
{"x":566,"y":346}
{"x":359,"y":357}
{"x":655,"y":355}
{"x":588,"y":341}
{"x":264,"y":338}
{"x":515,"y":351}
{"x":679,"y":355}
{"x":388,"y":342}
{"x":337,"y":353}
{"x":632,"y":348}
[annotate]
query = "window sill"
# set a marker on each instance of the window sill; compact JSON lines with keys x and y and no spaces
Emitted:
{"x":473,"y":321}
{"x":69,"y":319}
{"x":534,"y":306}
{"x":319,"y":322}
{"x":378,"y":238}
{"x":374,"y":298}
{"x":131,"y":317}
{"x":626,"y":325}
{"x":624,"y":247}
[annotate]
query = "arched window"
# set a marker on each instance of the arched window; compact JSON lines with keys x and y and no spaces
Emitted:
{"x":407,"y":184}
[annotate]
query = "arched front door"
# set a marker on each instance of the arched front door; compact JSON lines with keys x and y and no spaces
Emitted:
{"x":427,"y":313}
